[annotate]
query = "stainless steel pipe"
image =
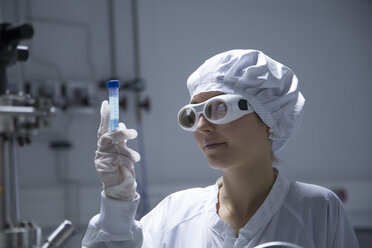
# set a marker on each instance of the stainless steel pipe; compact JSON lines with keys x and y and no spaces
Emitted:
{"x":2,"y":185}
{"x":13,"y":182}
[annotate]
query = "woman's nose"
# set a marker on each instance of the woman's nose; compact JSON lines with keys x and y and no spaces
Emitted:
{"x":203,"y":124}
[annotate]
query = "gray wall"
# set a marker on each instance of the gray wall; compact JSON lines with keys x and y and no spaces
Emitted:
{"x":327,"y":44}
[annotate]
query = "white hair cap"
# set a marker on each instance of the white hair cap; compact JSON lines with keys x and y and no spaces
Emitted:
{"x":270,"y":87}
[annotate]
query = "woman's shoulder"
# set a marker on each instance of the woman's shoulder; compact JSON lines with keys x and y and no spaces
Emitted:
{"x":191,"y":197}
{"x":182,"y":206}
{"x":309,"y":197}
{"x":307,"y":191}
{"x":320,"y":213}
{"x":188,"y":201}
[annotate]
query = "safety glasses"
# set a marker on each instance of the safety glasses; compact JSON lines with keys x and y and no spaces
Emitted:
{"x":220,"y":109}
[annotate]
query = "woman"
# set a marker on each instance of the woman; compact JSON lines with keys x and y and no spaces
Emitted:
{"x":244,"y":107}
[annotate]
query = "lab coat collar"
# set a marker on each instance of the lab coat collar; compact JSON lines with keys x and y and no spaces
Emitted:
{"x":258,"y":221}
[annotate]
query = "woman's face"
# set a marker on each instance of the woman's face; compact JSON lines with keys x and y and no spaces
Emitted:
{"x":236,"y":143}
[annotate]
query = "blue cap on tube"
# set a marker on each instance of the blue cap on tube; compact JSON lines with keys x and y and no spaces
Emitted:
{"x":113,"y":84}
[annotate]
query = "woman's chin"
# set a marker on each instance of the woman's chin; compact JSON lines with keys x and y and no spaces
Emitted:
{"x":216,"y":164}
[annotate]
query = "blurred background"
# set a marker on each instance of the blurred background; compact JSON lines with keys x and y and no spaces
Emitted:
{"x":152,"y":47}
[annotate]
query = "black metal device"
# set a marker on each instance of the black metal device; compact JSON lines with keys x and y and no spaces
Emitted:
{"x":10,"y":51}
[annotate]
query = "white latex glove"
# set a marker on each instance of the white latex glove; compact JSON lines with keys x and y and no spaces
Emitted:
{"x":114,"y":160}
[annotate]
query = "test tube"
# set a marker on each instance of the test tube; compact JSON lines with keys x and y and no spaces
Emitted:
{"x":113,"y":88}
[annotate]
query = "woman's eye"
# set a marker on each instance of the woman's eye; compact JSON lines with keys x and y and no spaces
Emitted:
{"x":217,"y":110}
{"x":221,"y":111}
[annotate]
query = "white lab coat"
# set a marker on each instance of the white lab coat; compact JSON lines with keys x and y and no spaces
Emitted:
{"x":303,"y":214}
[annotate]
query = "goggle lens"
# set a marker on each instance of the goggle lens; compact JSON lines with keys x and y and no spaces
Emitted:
{"x":187,"y":118}
{"x":216,"y":110}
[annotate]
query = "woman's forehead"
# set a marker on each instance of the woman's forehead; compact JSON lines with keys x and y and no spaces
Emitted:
{"x":203,"y":96}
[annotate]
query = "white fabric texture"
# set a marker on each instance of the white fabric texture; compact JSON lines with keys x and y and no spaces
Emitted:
{"x":270,"y":87}
{"x":115,"y":225}
{"x":303,"y":214}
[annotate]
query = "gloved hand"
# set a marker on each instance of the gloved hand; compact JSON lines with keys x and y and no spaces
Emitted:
{"x":114,"y":160}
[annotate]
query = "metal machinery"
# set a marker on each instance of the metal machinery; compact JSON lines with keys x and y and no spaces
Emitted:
{"x":278,"y":244}
{"x":20,"y":115}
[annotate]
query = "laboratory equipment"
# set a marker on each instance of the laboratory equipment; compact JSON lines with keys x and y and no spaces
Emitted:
{"x":60,"y":235}
{"x":278,"y":244}
{"x":113,"y":88}
{"x":20,"y":116}
{"x":220,"y":109}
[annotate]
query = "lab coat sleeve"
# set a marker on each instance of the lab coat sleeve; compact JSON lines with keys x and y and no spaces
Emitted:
{"x":114,"y":226}
{"x":342,"y":229}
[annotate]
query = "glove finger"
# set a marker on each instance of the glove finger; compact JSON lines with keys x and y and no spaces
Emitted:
{"x":122,"y":125}
{"x":117,"y":149}
{"x":135,"y":156}
{"x":105,"y":119}
{"x":130,"y":133}
{"x":120,"y":152}
{"x":117,"y":136}
{"x":123,"y":134}
{"x":126,"y":190}
{"x":104,"y":162}
{"x":109,"y":178}
{"x":124,"y":175}
{"x":127,"y":173}
{"x":108,"y":164}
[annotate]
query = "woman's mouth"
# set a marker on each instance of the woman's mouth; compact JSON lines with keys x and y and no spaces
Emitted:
{"x":212,"y":145}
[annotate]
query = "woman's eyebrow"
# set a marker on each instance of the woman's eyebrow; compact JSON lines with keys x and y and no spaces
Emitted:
{"x":197,"y":102}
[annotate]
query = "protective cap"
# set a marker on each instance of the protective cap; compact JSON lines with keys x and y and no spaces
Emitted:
{"x":270,"y":87}
{"x":113,"y":84}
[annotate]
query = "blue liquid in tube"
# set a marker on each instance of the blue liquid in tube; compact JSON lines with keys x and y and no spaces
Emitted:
{"x":113,"y":88}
